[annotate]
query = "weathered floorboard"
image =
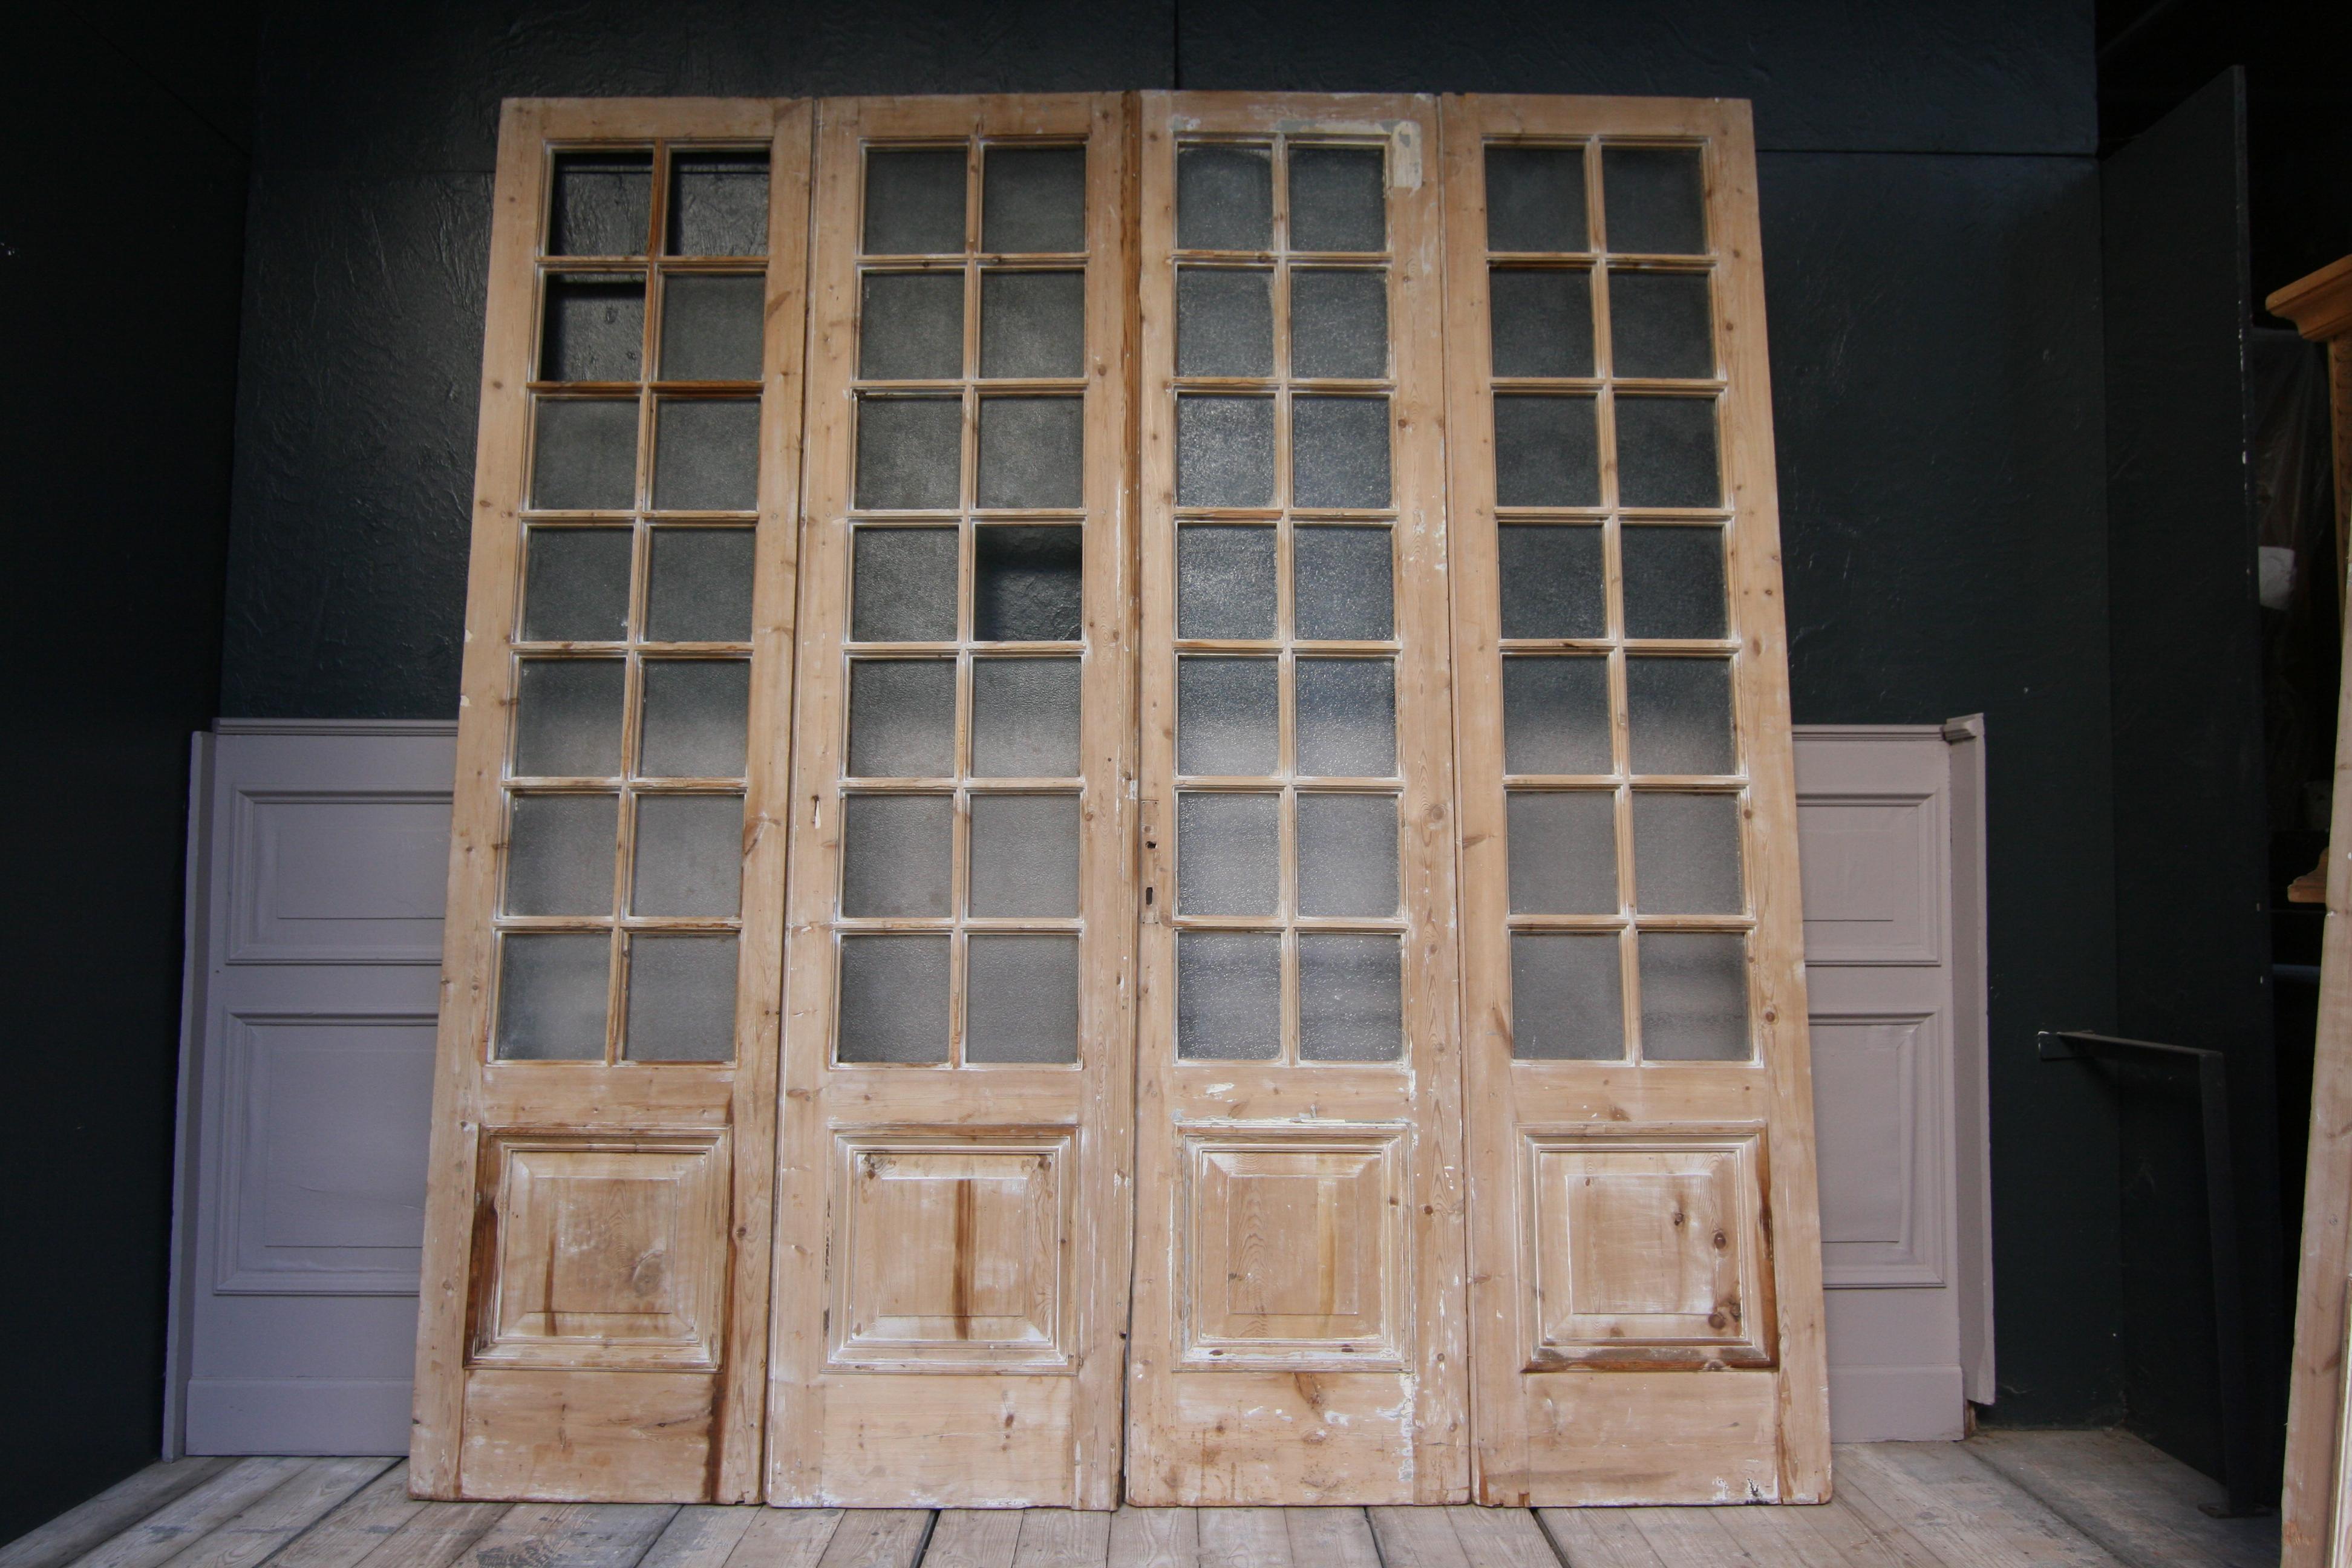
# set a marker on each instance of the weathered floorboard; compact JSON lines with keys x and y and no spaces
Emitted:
{"x":269,"y":1521}
{"x":1331,"y":1538}
{"x":877,"y":1538}
{"x":188,"y":1518}
{"x":975,"y":1537}
{"x":1157,"y":1538}
{"x":2102,"y":1483}
{"x":90,"y":1524}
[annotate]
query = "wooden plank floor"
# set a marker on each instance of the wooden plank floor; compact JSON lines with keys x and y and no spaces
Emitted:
{"x":2079,"y":1500}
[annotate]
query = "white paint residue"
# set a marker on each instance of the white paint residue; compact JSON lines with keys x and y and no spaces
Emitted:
{"x":1403,"y":137}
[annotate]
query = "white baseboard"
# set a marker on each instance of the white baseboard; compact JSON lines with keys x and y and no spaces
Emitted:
{"x":298,"y":1416}
{"x":1896,"y":1404}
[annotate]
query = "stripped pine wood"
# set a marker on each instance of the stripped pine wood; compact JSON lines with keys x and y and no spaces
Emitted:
{"x":90,"y":1524}
{"x":877,"y":1538}
{"x":195,"y":1515}
{"x":973,"y":1538}
{"x":1154,"y":1538}
{"x":2097,"y":1482}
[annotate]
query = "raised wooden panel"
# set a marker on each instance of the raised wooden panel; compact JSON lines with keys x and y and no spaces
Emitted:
{"x":1643,"y":1248}
{"x":1878,"y":1086}
{"x":1870,"y":880}
{"x":609,"y":1252}
{"x":952,"y":1250}
{"x":338,"y":877}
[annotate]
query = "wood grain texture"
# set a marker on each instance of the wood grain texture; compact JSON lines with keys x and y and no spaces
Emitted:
{"x":90,"y":1524}
{"x":196,"y":1514}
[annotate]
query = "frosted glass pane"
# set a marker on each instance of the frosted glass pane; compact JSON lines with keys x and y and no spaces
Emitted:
{"x":1225,"y":717}
{"x":1568,"y":997}
{"x":1680,"y":714}
{"x":1656,"y":199}
{"x":894,"y":999}
{"x":1225,"y":451}
{"x":1535,"y":198}
{"x":1339,"y":322}
{"x":593,"y":327}
{"x":1031,"y":451}
{"x":1021,"y":999}
{"x":598,"y":204}
{"x":1028,"y":584}
{"x":1563,"y":853}
{"x":568,"y":718}
{"x":689,"y":855}
{"x":1552,"y":582}
{"x":1032,"y":199}
{"x":712,"y":327}
{"x":697,"y":710}
{"x":908,"y":453}
{"x":1346,"y":717}
{"x":1225,"y":582}
{"x":1351,"y":998}
{"x":560,"y":853}
{"x":1346,"y":854}
{"x":552,"y":997}
{"x":1686,"y":854}
{"x":1546,"y":452}
{"x":1660,"y":323}
{"x":1673,"y":581}
{"x":583,"y":455}
{"x":1032,"y":324}
{"x":1694,"y":997}
{"x":1555,"y":716}
{"x":1339,"y":199}
{"x":1025,"y":718}
{"x":1228,"y":854}
{"x":577,"y":585}
{"x":702,"y":583}
{"x":1228,"y":995}
{"x":1542,"y":321}
{"x":681,"y":998}
{"x":1025,"y":855}
{"x":1224,"y":198}
{"x":707,"y":456}
{"x":1340,"y":451}
{"x":718,"y":204}
{"x":1666,"y":452}
{"x":902,"y":717}
{"x":1343,"y":582}
{"x":910,"y":326}
{"x":914,"y":201}
{"x":1224,"y":321}
{"x":903,"y":585}
{"x":897,"y":854}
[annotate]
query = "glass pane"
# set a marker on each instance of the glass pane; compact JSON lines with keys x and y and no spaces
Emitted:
{"x":598,"y":207}
{"x":1032,"y":324}
{"x":718,"y":204}
{"x":1225,"y":717}
{"x":1665,"y":452}
{"x":1228,"y":995}
{"x":577,"y":585}
{"x":1346,"y":855}
{"x":1025,"y":855}
{"x":914,"y":201}
{"x":903,"y":585}
{"x":1660,"y":323}
{"x":1563,"y":853}
{"x":1225,"y":582}
{"x":908,"y":453}
{"x":1224,"y":321}
{"x":689,"y":855}
{"x":1567,"y":996}
{"x":1028,"y":584}
{"x":568,"y":718}
{"x":1032,"y":199}
{"x":702,"y":583}
{"x":894,"y":999}
{"x":594,"y":328}
{"x":1025,"y":718}
{"x":1229,"y":854}
{"x":711,"y":327}
{"x":1694,"y":997}
{"x":707,"y":456}
{"x":902,"y":717}
{"x":1021,"y":999}
{"x":681,"y":998}
{"x":1553,"y":584}
{"x":696,"y":713}
{"x":1340,"y":451}
{"x":1680,"y":715}
{"x":1339,"y":199}
{"x":1341,"y":578}
{"x":584,"y":455}
{"x":898,"y":854}
{"x":1031,"y":452}
{"x":1224,"y":198}
{"x":1225,"y":451}
{"x":910,"y":326}
{"x":1339,"y":324}
{"x":1535,"y":198}
{"x":1555,"y":716}
{"x":1656,"y":200}
{"x":1542,"y":321}
{"x":1546,"y":452}
{"x":552,"y":997}
{"x":1686,"y":854}
{"x":1346,"y":718}
{"x":1673,"y":581}
{"x":1351,"y":998}
{"x":560,"y":853}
